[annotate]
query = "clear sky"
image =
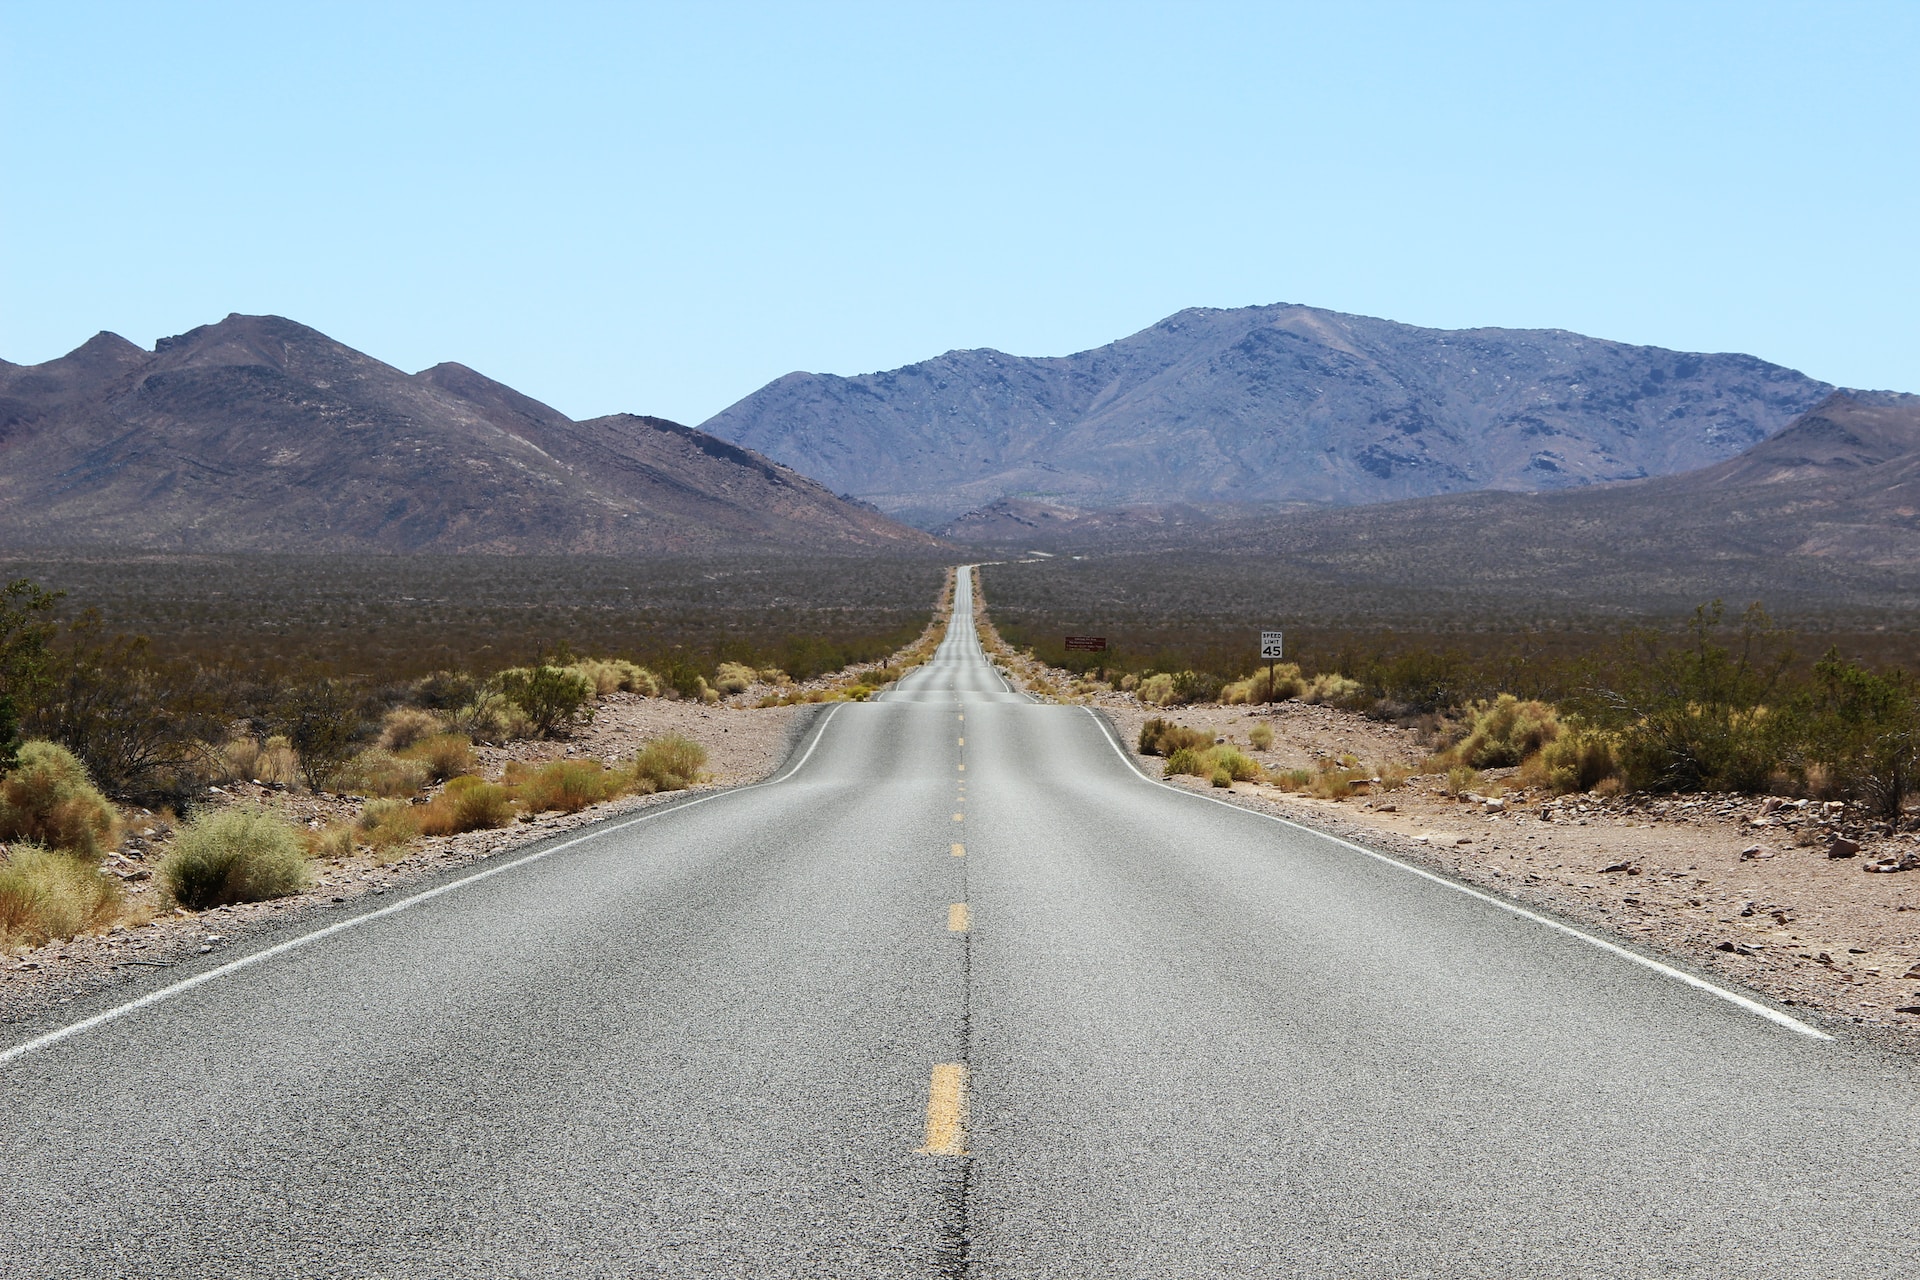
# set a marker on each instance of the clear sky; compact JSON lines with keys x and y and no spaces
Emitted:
{"x":659,"y":208}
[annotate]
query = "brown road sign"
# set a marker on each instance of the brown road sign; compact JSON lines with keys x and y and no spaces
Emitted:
{"x":1086,"y":644}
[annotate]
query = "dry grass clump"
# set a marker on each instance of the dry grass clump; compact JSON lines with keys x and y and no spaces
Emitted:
{"x":1506,"y":731}
{"x":248,"y":759}
{"x":445,"y":755}
{"x":1162,"y":738}
{"x":332,"y":842}
{"x":404,"y":726}
{"x":49,"y":799}
{"x":1462,"y":780}
{"x":566,"y":785}
{"x":733,"y":677}
{"x":1224,"y":764}
{"x":667,"y":763}
{"x":617,"y":675}
{"x":242,"y":854}
{"x":1580,"y":759}
{"x":1261,"y":736}
{"x":1276,"y":684}
{"x":492,"y":717}
{"x":388,"y":824}
{"x":46,"y":895}
{"x":466,"y":804}
{"x":375,"y":772}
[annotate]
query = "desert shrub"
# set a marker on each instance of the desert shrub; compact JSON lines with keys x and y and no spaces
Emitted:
{"x":1162,"y":737}
{"x":667,"y":763}
{"x":47,"y":895}
{"x":1335,"y":690}
{"x":446,"y":755}
{"x":1261,"y":736}
{"x":445,"y":690}
{"x":617,"y":675}
{"x":25,"y":632}
{"x":242,"y":854}
{"x":139,"y":723}
{"x":1222,"y":777}
{"x":1156,"y":690}
{"x":1461,"y":780}
{"x":1578,"y":760}
{"x":1393,"y":776}
{"x":552,"y":697}
{"x":568,"y":785}
{"x":319,"y":718}
{"x":1239,"y":766}
{"x":385,"y":824}
{"x":247,"y":759}
{"x":49,"y":799}
{"x":467,"y":804}
{"x":732,"y":677}
{"x":1506,"y":731}
{"x":1278,"y":684}
{"x":381,"y":773}
{"x":1862,"y":731}
{"x":491,"y":717}
{"x":1187,"y":760}
{"x":404,"y":726}
{"x":332,"y":842}
{"x":1129,"y":682}
{"x":1293,"y":779}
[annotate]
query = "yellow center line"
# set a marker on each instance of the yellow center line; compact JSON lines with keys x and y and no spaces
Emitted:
{"x":963,"y":742}
{"x":959,"y":851}
{"x":962,"y":768}
{"x":947,"y":1110}
{"x":959,"y":817}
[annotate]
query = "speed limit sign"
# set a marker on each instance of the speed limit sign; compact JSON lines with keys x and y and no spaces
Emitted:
{"x":1270,"y":646}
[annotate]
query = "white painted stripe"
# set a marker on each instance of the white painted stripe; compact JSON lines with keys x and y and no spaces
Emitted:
{"x":292,"y":944}
{"x":1681,"y":975}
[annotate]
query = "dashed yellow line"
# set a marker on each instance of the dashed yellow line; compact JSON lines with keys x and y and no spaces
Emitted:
{"x":959,"y":817}
{"x":963,"y":742}
{"x":947,"y":1110}
{"x":962,"y":768}
{"x":959,"y":851}
{"x":958,"y":920}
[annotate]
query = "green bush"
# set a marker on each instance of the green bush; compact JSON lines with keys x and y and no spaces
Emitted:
{"x":49,"y":799}
{"x":552,"y":697}
{"x":1506,"y":732}
{"x":1578,"y":760}
{"x":242,"y":854}
{"x":492,"y":717}
{"x":46,"y":895}
{"x":1187,"y":760}
{"x":1162,"y":737}
{"x":1864,"y":728}
{"x":667,"y":763}
{"x":319,"y":719}
{"x":1239,"y":766}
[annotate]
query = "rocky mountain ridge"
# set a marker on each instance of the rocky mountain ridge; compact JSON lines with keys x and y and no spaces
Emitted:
{"x":260,"y":434}
{"x":1273,"y":404}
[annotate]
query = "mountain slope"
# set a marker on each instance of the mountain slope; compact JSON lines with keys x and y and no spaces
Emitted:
{"x":1267,"y":404}
{"x":259,"y":434}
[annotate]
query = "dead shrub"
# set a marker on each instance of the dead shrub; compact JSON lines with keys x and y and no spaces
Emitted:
{"x":466,"y":804}
{"x":667,"y":763}
{"x":47,"y":896}
{"x":332,"y":842}
{"x":247,"y":759}
{"x":49,"y":799}
{"x":1163,"y":737}
{"x":733,"y":677}
{"x":381,"y":773}
{"x":446,"y":755}
{"x":568,"y":786}
{"x":387,"y":824}
{"x":404,"y":726}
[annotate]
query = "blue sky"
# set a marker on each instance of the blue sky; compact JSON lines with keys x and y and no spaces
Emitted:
{"x":659,"y":208}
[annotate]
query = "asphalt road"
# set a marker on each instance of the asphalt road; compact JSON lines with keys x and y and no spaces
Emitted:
{"x":958,"y":993}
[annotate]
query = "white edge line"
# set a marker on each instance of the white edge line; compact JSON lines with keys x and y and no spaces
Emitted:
{"x":186,"y":984}
{"x":1732,"y":997}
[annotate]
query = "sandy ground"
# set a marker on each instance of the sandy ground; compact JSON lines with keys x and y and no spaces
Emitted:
{"x":1741,"y":888}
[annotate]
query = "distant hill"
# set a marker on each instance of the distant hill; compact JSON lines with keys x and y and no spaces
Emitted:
{"x":259,"y":434}
{"x":1825,"y":514}
{"x":1275,"y":404}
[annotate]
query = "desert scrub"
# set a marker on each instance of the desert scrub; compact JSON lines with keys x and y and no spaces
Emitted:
{"x":1461,"y":780}
{"x":491,"y":717}
{"x":445,"y":755}
{"x":1163,"y":737}
{"x":388,"y":824}
{"x":333,"y":842}
{"x":248,"y":759}
{"x":566,"y":785}
{"x":1261,"y":736}
{"x":48,"y":799}
{"x":404,"y":726}
{"x":47,"y":895}
{"x":466,"y":804}
{"x":1506,"y":731}
{"x":242,"y":854}
{"x":1282,"y":682}
{"x":732,"y":677}
{"x":1579,"y":759}
{"x":381,"y":773}
{"x":1212,"y":762}
{"x":552,"y":698}
{"x":617,"y":675}
{"x":667,"y":763}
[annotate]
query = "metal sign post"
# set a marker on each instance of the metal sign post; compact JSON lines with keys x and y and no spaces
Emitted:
{"x":1272,"y":648}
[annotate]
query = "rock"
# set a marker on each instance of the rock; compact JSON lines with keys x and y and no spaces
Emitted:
{"x":1749,"y":853}
{"x":1618,"y":866}
{"x":1841,"y":847}
{"x":1907,"y":1008}
{"x":1735,"y":948}
{"x":1496,"y":806}
{"x":1746,"y":909}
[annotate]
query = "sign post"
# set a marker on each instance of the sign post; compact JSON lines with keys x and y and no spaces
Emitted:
{"x":1272,"y":648}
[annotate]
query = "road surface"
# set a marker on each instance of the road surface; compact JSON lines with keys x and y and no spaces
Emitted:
{"x":959,"y":992}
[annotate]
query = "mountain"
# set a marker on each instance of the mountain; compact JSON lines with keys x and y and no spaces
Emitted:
{"x":259,"y":434}
{"x":1823,"y":516}
{"x":1272,"y":404}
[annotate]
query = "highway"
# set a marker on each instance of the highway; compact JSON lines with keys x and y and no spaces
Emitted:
{"x":958,"y":992}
